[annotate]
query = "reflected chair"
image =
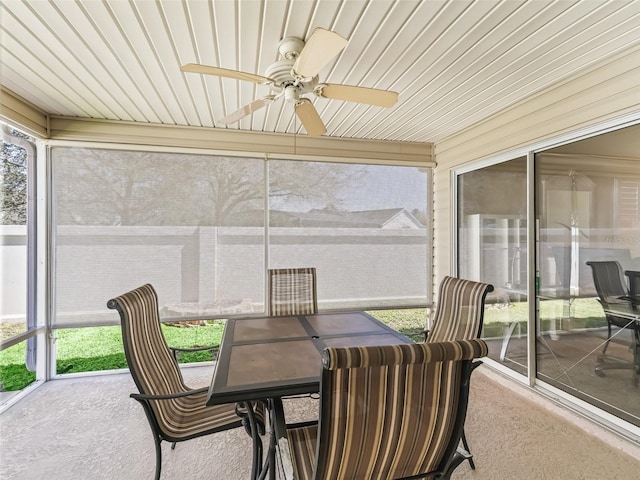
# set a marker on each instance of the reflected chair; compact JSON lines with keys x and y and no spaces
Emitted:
{"x":613,"y":294}
{"x":459,"y":316}
{"x":175,"y":412}
{"x":292,"y":291}
{"x":388,"y":412}
{"x":634,"y":284}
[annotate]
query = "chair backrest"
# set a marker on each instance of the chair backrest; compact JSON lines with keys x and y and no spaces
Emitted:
{"x":292,"y":291}
{"x":393,"y":411}
{"x":634,"y":282}
{"x":609,"y":280}
{"x":153,"y":367}
{"x":460,"y":310}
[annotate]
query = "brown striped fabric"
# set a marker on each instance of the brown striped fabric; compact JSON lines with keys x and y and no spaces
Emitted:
{"x":460,"y":310}
{"x":404,"y":353}
{"x":386,"y":412}
{"x":302,"y":442}
{"x":292,"y":291}
{"x":156,"y":371}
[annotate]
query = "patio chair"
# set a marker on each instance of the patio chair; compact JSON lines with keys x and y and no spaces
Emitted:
{"x":175,"y":412}
{"x":613,"y":293}
{"x":460,"y":310}
{"x":459,"y":316}
{"x":292,"y":291}
{"x":388,"y":412}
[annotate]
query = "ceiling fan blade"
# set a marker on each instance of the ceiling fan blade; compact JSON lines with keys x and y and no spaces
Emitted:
{"x":248,"y":109}
{"x":321,"y":47}
{"x":309,"y":118}
{"x":225,"y":72}
{"x":370,"y":96}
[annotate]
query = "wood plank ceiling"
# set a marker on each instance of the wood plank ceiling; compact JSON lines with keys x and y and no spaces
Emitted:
{"x":454,"y":63}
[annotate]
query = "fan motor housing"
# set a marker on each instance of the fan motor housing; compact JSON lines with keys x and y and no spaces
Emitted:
{"x":280,"y":73}
{"x":290,"y":47}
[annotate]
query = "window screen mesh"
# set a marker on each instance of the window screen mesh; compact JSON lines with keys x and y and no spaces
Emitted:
{"x":194,"y":227}
{"x":362,"y":226}
{"x":187,"y":224}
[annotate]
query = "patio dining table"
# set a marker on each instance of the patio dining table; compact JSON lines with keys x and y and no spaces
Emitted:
{"x":268,"y":358}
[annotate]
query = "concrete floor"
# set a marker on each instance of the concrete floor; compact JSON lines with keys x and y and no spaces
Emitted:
{"x":88,"y":427}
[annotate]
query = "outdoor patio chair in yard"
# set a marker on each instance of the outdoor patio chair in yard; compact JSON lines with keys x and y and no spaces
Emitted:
{"x":459,"y":316}
{"x":612,"y":294}
{"x":387,"y":412}
{"x":292,"y":291}
{"x":175,"y":412}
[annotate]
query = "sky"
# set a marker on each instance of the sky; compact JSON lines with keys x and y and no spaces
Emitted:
{"x":381,"y":187}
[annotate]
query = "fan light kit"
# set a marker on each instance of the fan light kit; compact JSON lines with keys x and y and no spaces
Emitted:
{"x":296,"y":74}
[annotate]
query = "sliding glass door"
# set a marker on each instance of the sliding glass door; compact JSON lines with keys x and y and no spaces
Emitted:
{"x":588,"y":211}
{"x":586,"y":245}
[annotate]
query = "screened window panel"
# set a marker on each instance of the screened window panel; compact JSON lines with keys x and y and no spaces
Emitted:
{"x":191,"y":225}
{"x":194,"y":227}
{"x":364,"y":228}
{"x":13,"y":237}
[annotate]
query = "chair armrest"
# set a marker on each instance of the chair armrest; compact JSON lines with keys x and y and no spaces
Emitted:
{"x":170,"y":396}
{"x":192,"y":349}
{"x":175,"y":351}
{"x":476,"y":364}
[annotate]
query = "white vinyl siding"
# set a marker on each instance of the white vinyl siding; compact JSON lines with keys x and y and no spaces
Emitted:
{"x":601,"y":94}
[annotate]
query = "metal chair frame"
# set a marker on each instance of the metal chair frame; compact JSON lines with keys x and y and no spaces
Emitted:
{"x":452,"y":295}
{"x":612,"y":289}
{"x":128,"y":305}
{"x":385,"y":367}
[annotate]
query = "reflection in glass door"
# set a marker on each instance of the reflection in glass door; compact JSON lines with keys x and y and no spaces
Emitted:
{"x":492,"y":247}
{"x":587,"y":266}
{"x":588,"y":209}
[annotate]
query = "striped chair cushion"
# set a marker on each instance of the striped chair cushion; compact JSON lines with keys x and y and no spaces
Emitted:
{"x":302,"y":442}
{"x":460,"y":310}
{"x":386,"y":412}
{"x":156,"y":372}
{"x":292,"y":291}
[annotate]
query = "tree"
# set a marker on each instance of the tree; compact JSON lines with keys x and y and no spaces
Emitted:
{"x":109,"y":187}
{"x":13,"y":193}
{"x":104,"y":187}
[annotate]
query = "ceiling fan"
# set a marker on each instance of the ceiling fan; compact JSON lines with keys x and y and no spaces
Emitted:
{"x":296,"y":74}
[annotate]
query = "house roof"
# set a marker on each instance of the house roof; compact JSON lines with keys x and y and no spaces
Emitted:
{"x":355,"y":219}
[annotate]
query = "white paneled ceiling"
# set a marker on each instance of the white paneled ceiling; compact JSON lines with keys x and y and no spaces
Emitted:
{"x":454,"y":63}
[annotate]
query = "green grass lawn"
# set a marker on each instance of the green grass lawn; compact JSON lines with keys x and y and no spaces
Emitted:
{"x":100,"y":348}
{"x":554,"y":314}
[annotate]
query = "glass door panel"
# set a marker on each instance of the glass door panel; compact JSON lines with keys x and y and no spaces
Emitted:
{"x":492,"y":247}
{"x":589,"y":222}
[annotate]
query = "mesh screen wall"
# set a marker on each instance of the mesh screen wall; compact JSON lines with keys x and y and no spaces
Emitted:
{"x":195,"y":226}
